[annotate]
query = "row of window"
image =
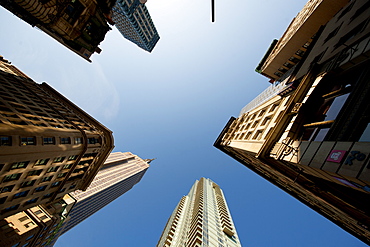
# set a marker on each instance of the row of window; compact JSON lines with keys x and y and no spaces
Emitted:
{"x":31,"y":140}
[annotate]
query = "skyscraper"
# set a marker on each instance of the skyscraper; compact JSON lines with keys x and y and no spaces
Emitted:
{"x":309,"y":132}
{"x":133,"y":20}
{"x":120,"y":173}
{"x":201,"y":218}
{"x":49,"y":146}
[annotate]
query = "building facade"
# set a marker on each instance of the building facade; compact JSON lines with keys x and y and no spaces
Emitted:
{"x":49,"y":146}
{"x":308,"y":133}
{"x":201,"y":218}
{"x":120,"y":173}
{"x":133,"y":21}
{"x":80,"y":25}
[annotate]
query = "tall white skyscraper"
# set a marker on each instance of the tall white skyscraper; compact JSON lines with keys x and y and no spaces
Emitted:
{"x":201,"y":218}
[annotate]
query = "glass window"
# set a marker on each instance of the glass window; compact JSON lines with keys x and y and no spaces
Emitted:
{"x":41,"y":188}
{"x":20,"y":194}
{"x":31,"y":201}
{"x":19,"y":165}
{"x":336,"y":106}
{"x":28,"y":141}
{"x":48,"y":140}
{"x":65,"y":140}
{"x":12,"y":177}
{"x":34,"y":173}
{"x":53,"y":169}
{"x":41,"y":162}
{"x":5,"y":141}
{"x":72,"y":157}
{"x":55,"y":184}
{"x":29,"y":237}
{"x":58,"y":159}
{"x":7,"y":188}
{"x":78,"y":140}
{"x":27,"y":183}
{"x":45,"y":179}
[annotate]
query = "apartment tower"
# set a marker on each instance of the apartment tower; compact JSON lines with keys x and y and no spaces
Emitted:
{"x":309,"y":131}
{"x":201,"y":218}
{"x":133,"y":21}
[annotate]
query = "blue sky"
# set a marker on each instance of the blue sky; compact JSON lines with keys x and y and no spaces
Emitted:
{"x":171,"y":105}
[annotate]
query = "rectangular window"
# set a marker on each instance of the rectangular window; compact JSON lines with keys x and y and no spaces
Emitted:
{"x":19,"y":165}
{"x":67,"y":166}
{"x":12,"y":177}
{"x":92,"y":140}
{"x":41,"y":162}
{"x":53,"y":169}
{"x":65,"y":140}
{"x":48,"y":140}
{"x":45,"y":179}
{"x":34,"y":173}
{"x":28,"y":141}
{"x":5,"y":141}
{"x":48,"y":195}
{"x":24,"y":218}
{"x":7,"y":188}
{"x":14,"y":207}
{"x":58,"y":159}
{"x":41,"y":188}
{"x":72,"y":157}
{"x":29,"y":237}
{"x":61,"y":175}
{"x":55,"y":184}
{"x":78,"y":140}
{"x":21,"y":194}
{"x":28,"y":183}
{"x":29,"y":224}
{"x":31,"y":201}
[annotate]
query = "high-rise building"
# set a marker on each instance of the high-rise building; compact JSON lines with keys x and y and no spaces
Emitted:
{"x":309,"y":132}
{"x":120,"y":173}
{"x":42,"y":225}
{"x":133,"y":21}
{"x":49,"y":146}
{"x":201,"y":218}
{"x":79,"y":25}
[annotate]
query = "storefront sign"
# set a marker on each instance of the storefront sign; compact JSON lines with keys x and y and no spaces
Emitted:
{"x":336,"y":156}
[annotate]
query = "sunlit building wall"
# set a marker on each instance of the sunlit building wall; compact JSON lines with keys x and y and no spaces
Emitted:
{"x":201,"y":218}
{"x":308,"y":133}
{"x":48,"y":146}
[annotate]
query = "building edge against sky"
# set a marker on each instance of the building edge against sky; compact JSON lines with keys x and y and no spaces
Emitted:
{"x":79,"y":25}
{"x":49,"y":148}
{"x":201,"y":218}
{"x":133,"y":21}
{"x":309,"y":132}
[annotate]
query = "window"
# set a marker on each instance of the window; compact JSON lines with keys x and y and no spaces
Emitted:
{"x":62,"y":175}
{"x":29,"y":224}
{"x":38,"y":212}
{"x":21,"y":194}
{"x":72,"y":157}
{"x":24,"y":218}
{"x":56,"y":184}
{"x":48,"y":195}
{"x":29,"y":237}
{"x":27,"y":183}
{"x":72,"y":186}
{"x":34,"y":173}
{"x":19,"y":165}
{"x":53,"y":169}
{"x":92,"y":140}
{"x":44,"y":217}
{"x":12,"y":177}
{"x":67,"y":166}
{"x":28,"y":141}
{"x":258,"y":135}
{"x":58,"y":159}
{"x":31,"y":201}
{"x":351,"y":34}
{"x":78,"y":140}
{"x":45,"y":179}
{"x":266,"y":121}
{"x":16,"y":245}
{"x":48,"y":140}
{"x":65,"y":140}
{"x":7,"y":188}
{"x":5,"y":141}
{"x":41,"y":162}
{"x":14,"y":207}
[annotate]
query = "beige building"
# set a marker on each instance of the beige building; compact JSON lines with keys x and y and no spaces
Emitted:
{"x":80,"y":25}
{"x":201,"y":218}
{"x":309,"y":132}
{"x":49,"y":146}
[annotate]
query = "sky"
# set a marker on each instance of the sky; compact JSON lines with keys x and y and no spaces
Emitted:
{"x":171,"y":105}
